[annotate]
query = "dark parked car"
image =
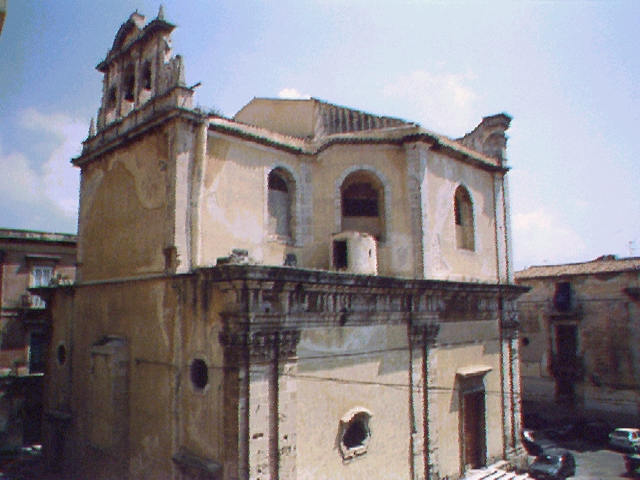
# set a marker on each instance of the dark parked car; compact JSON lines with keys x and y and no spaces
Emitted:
{"x":535,"y":443}
{"x":553,"y":464}
{"x":632,"y":463}
{"x":593,"y":431}
{"x":560,"y":431}
{"x":627,"y":439}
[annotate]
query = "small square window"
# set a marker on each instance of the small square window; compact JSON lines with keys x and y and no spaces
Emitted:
{"x":41,"y":276}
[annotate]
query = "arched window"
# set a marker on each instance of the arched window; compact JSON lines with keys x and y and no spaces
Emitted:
{"x":279,"y":201}
{"x":145,"y":79}
{"x":362,"y":204}
{"x":112,"y":99}
{"x":129,"y":83}
{"x":355,"y":433}
{"x":463,"y":215}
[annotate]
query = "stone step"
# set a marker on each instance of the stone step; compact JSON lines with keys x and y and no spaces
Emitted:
{"x":494,"y":474}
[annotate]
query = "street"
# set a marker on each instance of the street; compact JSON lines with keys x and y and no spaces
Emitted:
{"x":595,"y":462}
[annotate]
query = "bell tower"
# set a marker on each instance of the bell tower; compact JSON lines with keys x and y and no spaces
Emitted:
{"x":138,"y":67}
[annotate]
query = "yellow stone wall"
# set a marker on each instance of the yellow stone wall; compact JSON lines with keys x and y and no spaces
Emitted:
{"x":125,"y":218}
{"x":234,"y":208}
{"x":334,"y":367}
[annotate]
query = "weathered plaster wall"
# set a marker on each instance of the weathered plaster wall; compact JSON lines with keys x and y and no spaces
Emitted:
{"x":138,"y":435}
{"x":234,"y":209}
{"x":125,"y":219}
{"x":200,"y":412}
{"x":388,"y":165}
{"x":443,"y":260}
{"x":463,"y":345}
{"x":346,"y":368}
{"x":234,"y":206}
{"x":289,"y":117}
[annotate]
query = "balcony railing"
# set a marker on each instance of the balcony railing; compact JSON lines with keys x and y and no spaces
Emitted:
{"x":34,"y":302}
{"x":571,"y":309}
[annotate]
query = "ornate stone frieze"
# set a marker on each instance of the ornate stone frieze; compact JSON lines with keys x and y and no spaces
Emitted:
{"x":262,"y":298}
{"x":263,"y":345}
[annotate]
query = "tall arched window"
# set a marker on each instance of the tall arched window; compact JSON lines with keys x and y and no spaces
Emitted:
{"x":112,"y":99}
{"x":463,"y":215}
{"x":279,"y":203}
{"x":362,"y":204}
{"x":129,"y":83}
{"x":146,"y":76}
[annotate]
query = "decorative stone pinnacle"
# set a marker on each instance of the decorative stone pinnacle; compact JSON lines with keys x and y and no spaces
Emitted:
{"x":161,"y":12}
{"x":92,"y":128}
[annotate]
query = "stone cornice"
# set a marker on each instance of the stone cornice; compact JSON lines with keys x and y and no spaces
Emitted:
{"x":397,"y":136}
{"x":260,"y":274}
{"x":261,"y":297}
{"x":156,"y":113}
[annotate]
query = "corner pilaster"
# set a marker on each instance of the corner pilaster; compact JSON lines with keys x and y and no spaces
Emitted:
{"x":266,"y":403}
{"x":416,"y":181}
{"x":422,"y":340}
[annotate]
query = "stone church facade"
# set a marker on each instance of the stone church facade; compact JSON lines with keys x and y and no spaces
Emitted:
{"x":301,"y":291}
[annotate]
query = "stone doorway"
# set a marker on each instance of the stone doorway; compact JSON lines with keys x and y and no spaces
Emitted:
{"x":473,"y":429}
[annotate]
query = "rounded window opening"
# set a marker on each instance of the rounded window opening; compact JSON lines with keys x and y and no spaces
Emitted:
{"x":129,"y":83}
{"x":146,"y":76}
{"x":61,"y":355}
{"x":464,"y":222}
{"x":362,"y":204}
{"x":111,"y":98}
{"x":525,"y":341}
{"x":355,"y":435}
{"x":199,"y":374}
{"x":280,"y":203}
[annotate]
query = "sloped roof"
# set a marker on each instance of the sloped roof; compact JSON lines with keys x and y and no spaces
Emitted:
{"x":8,"y":234}
{"x":342,"y":125}
{"x":603,"y":264}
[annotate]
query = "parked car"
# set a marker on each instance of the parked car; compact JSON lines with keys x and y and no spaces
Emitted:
{"x":561,"y":431}
{"x":553,"y":464}
{"x":625,"y":439}
{"x":535,"y":442}
{"x":632,"y":464}
{"x":595,"y":432}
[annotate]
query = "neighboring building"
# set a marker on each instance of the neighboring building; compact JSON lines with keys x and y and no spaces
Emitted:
{"x":27,"y":259}
{"x":303,"y":291}
{"x":581,"y":337}
{"x":3,"y":13}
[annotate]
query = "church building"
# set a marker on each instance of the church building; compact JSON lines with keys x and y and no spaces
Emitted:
{"x":301,"y":291}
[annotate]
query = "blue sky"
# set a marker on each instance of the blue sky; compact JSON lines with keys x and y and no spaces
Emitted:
{"x":567,"y":71}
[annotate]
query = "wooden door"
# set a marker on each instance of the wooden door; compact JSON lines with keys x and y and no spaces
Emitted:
{"x":474,"y":429}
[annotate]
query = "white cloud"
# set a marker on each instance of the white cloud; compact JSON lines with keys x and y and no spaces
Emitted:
{"x":46,"y":189}
{"x":540,"y":237}
{"x":292,"y":94}
{"x":444,"y":102}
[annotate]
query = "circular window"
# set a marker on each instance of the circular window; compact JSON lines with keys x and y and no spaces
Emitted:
{"x":525,"y":341}
{"x":199,"y":373}
{"x":355,"y":434}
{"x":61,"y":355}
